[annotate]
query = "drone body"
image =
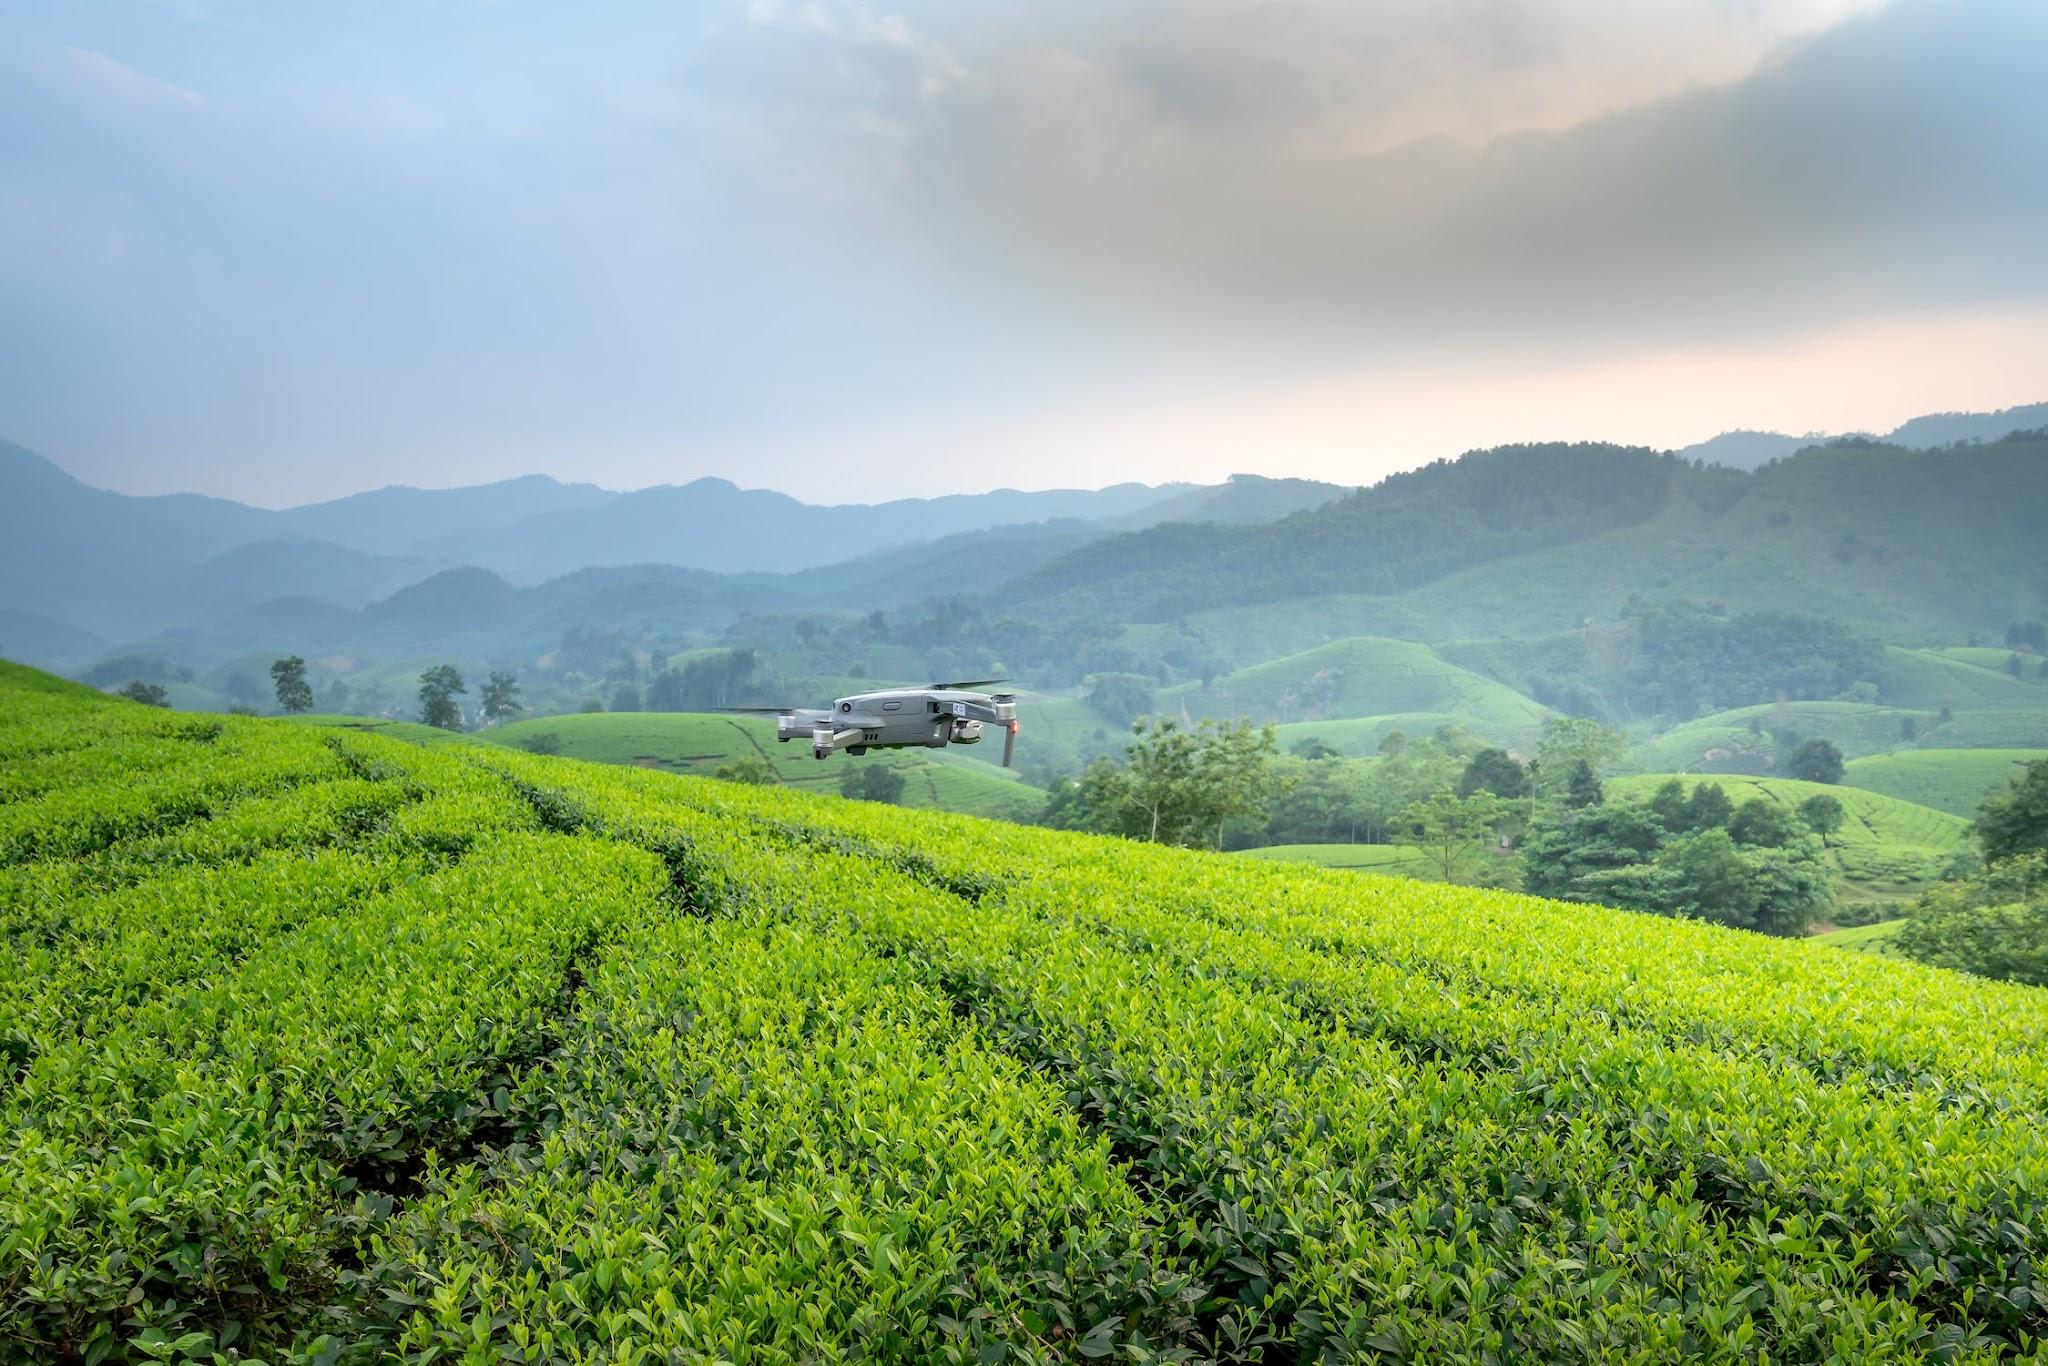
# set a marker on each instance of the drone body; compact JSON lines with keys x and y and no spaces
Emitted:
{"x":902,"y":718}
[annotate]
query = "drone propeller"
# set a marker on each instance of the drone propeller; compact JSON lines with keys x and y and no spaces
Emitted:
{"x":966,"y":684}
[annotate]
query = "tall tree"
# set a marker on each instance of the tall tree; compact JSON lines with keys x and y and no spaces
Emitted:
{"x":439,"y":687}
{"x":1494,"y":770}
{"x":294,"y":693}
{"x":1454,"y":831}
{"x":1569,"y":740}
{"x":500,"y":697}
{"x":1582,"y":786}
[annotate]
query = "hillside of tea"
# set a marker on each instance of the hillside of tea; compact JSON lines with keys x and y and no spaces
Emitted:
{"x":320,"y":1045}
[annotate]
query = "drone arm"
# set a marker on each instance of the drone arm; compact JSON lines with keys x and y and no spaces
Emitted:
{"x":1002,"y":716}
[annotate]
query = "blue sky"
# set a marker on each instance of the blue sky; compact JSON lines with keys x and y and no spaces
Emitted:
{"x":851,"y":250}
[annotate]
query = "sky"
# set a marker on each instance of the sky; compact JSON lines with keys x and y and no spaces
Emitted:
{"x":866,"y":250}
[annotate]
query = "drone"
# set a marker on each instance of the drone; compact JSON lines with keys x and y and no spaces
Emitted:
{"x":900,"y":718}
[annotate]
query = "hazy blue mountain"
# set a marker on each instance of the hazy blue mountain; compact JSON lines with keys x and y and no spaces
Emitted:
{"x":714,"y":524}
{"x":1244,"y":498}
{"x":410,"y":521}
{"x":1940,"y":429}
{"x":1749,"y":450}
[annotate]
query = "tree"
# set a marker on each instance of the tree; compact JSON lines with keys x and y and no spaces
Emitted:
{"x":2014,"y":823}
{"x":1816,"y":761}
{"x":1496,"y":771}
{"x":1669,"y":806}
{"x":752,"y":768}
{"x":1572,"y":739}
{"x":625,"y":697}
{"x":1453,"y":830}
{"x":1582,"y":786}
{"x":872,"y":783}
{"x":1823,"y":815}
{"x":1762,"y":823}
{"x":2014,"y":665}
{"x":545,"y":742}
{"x":1563,"y":858}
{"x":1993,"y":922}
{"x":294,"y":693}
{"x":500,"y":697}
{"x":1709,"y":808}
{"x":1909,"y":728}
{"x":148,"y":694}
{"x":1234,"y":772}
{"x":439,"y":687}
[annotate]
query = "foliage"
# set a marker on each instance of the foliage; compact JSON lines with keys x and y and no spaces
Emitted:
{"x":148,"y":694}
{"x":1823,"y":814}
{"x":1494,"y":770}
{"x":438,"y":689}
{"x":1121,"y":697}
{"x":1582,"y":785}
{"x":2014,"y":823}
{"x":1816,"y":761}
{"x":542,"y":742}
{"x":1456,"y":832}
{"x":1182,"y":786}
{"x":288,"y":677}
{"x":1572,"y":740}
{"x":752,"y":768}
{"x":1993,"y":923}
{"x":872,"y":783}
{"x":500,"y":697}
{"x":1763,"y":823}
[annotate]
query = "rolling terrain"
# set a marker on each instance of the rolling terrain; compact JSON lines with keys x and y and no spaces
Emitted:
{"x":684,"y":742}
{"x":456,"y":1052}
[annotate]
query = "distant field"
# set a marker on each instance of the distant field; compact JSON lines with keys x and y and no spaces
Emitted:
{"x":696,"y":742}
{"x":1398,"y":859}
{"x":1725,"y":743}
{"x":1951,"y":780}
{"x":1365,"y":677}
{"x":1886,"y":850}
{"x":1863,"y":938}
{"x":1925,"y":679}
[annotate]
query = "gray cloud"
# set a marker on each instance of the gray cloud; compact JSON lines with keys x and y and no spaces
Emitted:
{"x":285,"y":252}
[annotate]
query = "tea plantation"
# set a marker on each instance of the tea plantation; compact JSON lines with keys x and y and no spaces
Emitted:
{"x":321,"y":1046}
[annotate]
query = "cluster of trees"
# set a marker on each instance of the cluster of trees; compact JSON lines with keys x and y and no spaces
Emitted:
{"x":1688,"y":660}
{"x":442,"y":684}
{"x":1176,"y":784}
{"x":1756,"y":866}
{"x":1993,"y":919}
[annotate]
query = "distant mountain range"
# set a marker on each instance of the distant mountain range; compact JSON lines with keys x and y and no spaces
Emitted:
{"x":82,"y":569}
{"x":1510,"y":542}
{"x":1748,"y":450}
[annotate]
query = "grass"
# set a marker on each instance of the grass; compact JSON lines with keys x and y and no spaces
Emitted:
{"x":1925,"y":679}
{"x":699,"y":742}
{"x":1887,"y":849}
{"x":1952,"y":780}
{"x":1397,"y":859}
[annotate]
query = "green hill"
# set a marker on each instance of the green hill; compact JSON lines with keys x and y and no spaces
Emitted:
{"x":1365,"y":679}
{"x":1741,"y":741}
{"x":1952,"y":780}
{"x":1886,"y":850}
{"x":694,"y":742}
{"x":319,"y":1045}
{"x":1928,"y":679}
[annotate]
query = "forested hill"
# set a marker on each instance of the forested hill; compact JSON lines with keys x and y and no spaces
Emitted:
{"x":1878,"y":533}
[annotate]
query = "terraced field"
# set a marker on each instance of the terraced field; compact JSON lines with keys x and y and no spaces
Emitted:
{"x":322,"y":1046}
{"x":698,"y":742}
{"x":1953,"y":780}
